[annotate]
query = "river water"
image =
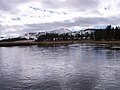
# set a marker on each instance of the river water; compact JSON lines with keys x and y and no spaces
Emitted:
{"x":61,"y":67}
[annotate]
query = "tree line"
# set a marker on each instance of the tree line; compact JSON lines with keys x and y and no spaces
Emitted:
{"x":63,"y":37}
{"x":13,"y":39}
{"x":109,"y":33}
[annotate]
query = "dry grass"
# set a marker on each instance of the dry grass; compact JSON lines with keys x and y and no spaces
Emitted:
{"x":27,"y":43}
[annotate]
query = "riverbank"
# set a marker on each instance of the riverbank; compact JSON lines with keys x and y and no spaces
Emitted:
{"x":31,"y":42}
{"x":99,"y":42}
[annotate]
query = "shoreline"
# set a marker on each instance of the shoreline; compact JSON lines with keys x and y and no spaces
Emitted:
{"x":28,"y":42}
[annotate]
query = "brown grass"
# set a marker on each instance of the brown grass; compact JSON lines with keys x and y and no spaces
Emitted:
{"x":27,"y":43}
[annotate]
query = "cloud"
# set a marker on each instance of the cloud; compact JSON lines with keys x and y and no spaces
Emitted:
{"x":7,"y":5}
{"x":22,"y":16}
{"x":83,"y":22}
{"x":17,"y":18}
{"x":70,"y":4}
{"x":79,"y":21}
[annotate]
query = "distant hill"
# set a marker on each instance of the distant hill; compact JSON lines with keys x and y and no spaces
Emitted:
{"x":34,"y":35}
{"x":60,"y":31}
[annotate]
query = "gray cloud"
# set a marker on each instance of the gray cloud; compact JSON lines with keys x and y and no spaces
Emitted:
{"x":86,"y":6}
{"x":118,"y":5}
{"x":8,"y":5}
{"x":70,"y":4}
{"x":80,"y":21}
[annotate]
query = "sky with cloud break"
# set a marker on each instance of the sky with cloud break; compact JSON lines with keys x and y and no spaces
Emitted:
{"x":23,"y":16}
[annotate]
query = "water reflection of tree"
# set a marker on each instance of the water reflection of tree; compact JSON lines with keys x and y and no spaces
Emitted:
{"x":112,"y":54}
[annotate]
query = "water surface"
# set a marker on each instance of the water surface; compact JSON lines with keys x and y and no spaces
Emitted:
{"x":62,"y":67}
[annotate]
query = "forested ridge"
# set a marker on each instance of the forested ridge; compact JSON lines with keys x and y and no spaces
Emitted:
{"x":109,"y":33}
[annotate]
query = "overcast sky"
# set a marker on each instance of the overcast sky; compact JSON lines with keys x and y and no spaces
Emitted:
{"x":22,"y":16}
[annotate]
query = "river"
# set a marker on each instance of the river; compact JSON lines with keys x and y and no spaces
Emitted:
{"x":59,"y":67}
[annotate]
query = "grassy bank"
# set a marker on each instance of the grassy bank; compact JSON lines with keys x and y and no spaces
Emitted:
{"x":99,"y":42}
{"x":28,"y":42}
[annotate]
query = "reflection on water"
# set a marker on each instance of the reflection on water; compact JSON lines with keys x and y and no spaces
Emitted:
{"x":67,"y":67}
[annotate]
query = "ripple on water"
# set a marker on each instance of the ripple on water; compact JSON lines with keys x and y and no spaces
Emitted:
{"x":67,"y":67}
